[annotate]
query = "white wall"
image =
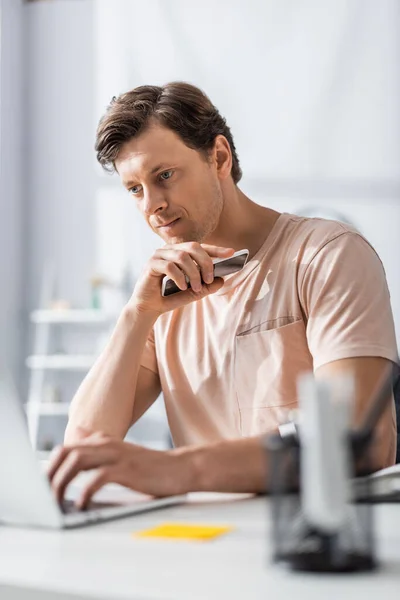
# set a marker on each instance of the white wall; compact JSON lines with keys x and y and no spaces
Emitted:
{"x":60,"y":183}
{"x":12,"y":173}
{"x":59,"y":179}
{"x":310,"y":89}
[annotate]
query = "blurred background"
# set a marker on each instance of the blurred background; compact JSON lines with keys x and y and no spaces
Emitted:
{"x":310,"y":89}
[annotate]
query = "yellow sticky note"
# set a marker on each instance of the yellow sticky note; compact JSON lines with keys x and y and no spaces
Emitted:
{"x":184,"y":531}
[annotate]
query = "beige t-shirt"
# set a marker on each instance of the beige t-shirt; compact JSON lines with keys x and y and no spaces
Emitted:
{"x":315,"y":292}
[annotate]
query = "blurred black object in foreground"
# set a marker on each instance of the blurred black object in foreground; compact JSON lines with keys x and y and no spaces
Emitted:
{"x":297,"y":542}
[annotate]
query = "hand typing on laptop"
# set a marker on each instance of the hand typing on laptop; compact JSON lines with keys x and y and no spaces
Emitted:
{"x":114,"y":461}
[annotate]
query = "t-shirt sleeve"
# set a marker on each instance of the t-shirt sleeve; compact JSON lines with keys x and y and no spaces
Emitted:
{"x":346,"y":301}
{"x":149,"y":357}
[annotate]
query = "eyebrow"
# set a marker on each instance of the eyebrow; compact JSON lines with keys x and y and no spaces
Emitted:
{"x":159,"y":167}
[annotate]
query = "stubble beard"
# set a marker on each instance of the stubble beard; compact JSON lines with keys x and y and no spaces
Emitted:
{"x":201,"y":231}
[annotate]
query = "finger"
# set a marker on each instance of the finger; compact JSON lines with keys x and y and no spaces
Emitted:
{"x":178,"y":300}
{"x":57,"y":456}
{"x":72,"y":464}
{"x":204,"y":264}
{"x":169,"y":268}
{"x":217,"y":251}
{"x":193,"y":260}
{"x":203,"y":254}
{"x":211,"y":249}
{"x":101,"y":477}
{"x":78,"y":459}
{"x":185,"y":263}
{"x":59,"y":453}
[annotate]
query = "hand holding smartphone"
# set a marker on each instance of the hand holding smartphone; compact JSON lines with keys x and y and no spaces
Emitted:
{"x":222,"y":267}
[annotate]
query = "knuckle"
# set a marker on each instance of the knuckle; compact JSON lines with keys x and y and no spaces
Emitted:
{"x":203,"y":291}
{"x":111,"y":444}
{"x":181,"y":255}
{"x":194,"y":245}
{"x":63,"y":451}
{"x":103,"y":474}
{"x":57,"y":454}
{"x":170,"y":268}
{"x":75,"y":456}
{"x":149,"y":269}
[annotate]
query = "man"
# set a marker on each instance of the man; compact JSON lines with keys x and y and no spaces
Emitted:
{"x":225,"y":354}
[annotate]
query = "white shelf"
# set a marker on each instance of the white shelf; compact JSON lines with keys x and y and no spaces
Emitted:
{"x":62,"y":362}
{"x":72,"y":316}
{"x":48,"y":408}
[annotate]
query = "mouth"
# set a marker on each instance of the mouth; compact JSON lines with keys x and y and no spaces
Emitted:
{"x":168,"y":225}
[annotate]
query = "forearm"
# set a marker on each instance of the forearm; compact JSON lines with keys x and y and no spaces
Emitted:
{"x":382,"y":452}
{"x":369,"y":373}
{"x":227,"y":466}
{"x":104,"y":400}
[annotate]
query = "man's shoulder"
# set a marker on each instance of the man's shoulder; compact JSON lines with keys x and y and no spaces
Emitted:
{"x":317,"y":228}
{"x":306,"y":236}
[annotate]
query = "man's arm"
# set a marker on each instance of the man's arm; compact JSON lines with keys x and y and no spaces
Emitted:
{"x":241,"y":465}
{"x":117,"y":390}
{"x":227,"y":466}
{"x":369,"y":373}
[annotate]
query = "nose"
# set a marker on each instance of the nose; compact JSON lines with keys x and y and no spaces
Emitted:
{"x":153,"y":202}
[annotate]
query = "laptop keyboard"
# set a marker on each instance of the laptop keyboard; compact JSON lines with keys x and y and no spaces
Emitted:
{"x":68,"y":507}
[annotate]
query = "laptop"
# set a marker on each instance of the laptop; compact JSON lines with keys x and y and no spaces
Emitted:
{"x":380,"y":487}
{"x":26,"y":498}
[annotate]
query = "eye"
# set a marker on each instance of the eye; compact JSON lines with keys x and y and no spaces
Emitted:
{"x":135,"y":189}
{"x":166,"y":175}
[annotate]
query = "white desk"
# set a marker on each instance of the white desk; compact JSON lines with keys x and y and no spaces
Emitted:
{"x":104,"y":561}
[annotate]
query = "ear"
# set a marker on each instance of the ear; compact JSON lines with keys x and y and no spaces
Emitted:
{"x":222,"y":156}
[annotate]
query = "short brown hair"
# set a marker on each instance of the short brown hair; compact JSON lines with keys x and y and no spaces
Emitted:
{"x":180,"y":106}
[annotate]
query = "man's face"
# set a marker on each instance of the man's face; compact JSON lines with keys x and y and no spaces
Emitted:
{"x":175,"y":188}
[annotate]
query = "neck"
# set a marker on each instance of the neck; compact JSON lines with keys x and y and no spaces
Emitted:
{"x":243,"y":223}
